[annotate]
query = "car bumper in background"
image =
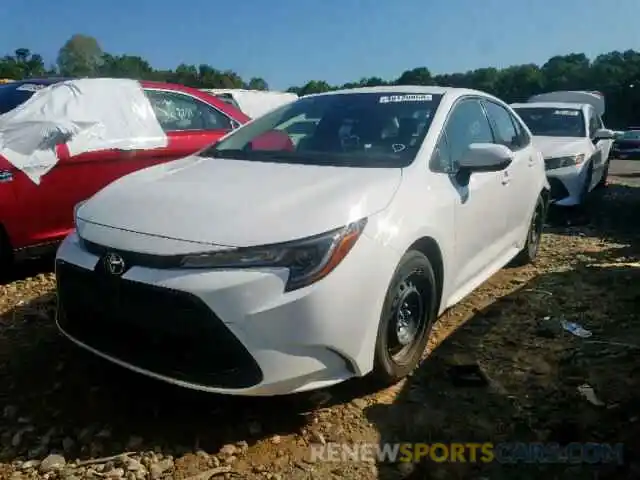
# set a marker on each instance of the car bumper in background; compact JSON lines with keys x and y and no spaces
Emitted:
{"x":566,"y":185}
{"x":234,"y":331}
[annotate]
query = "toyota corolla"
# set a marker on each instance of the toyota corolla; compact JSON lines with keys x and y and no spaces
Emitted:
{"x":283,"y":259}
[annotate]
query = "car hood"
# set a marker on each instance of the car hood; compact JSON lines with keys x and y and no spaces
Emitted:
{"x":240,"y":203}
{"x":560,"y":146}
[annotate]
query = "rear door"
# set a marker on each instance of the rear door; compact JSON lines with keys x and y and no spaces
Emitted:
{"x":601,"y":147}
{"x":522,"y":173}
{"x":190,"y":124}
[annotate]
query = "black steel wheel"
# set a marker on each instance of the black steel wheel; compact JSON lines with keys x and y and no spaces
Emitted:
{"x":406,"y":320}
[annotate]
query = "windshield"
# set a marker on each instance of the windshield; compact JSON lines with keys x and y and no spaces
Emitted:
{"x":382,"y":129}
{"x":12,"y":95}
{"x":632,"y":135}
{"x":553,"y":122}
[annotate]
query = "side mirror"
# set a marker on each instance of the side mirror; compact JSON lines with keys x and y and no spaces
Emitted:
{"x":604,"y":134}
{"x":485,"y":157}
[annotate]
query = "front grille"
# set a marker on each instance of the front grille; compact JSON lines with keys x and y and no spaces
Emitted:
{"x":165,"y":331}
{"x":558,"y":190}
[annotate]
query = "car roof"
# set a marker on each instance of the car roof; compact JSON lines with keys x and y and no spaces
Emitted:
{"x":558,"y":105}
{"x":410,"y":89}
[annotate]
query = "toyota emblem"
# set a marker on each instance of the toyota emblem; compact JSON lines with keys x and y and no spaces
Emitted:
{"x":114,"y":263}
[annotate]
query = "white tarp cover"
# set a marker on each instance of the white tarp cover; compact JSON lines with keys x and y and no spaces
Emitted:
{"x":256,"y":103}
{"x":86,"y":114}
{"x":595,"y":99}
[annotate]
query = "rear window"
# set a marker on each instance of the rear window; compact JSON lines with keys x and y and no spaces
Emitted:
{"x":12,"y":95}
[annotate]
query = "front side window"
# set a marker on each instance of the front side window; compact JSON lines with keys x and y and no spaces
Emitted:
{"x":467,"y":124}
{"x":553,"y":122}
{"x":177,"y":112}
{"x":381,"y":129}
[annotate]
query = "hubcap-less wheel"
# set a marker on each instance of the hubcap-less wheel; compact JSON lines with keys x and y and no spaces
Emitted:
{"x":408,"y":320}
{"x":535,"y":230}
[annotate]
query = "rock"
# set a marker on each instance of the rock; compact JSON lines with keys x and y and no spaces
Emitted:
{"x":52,"y":462}
{"x":228,"y":450}
{"x":133,"y":465}
{"x":361,"y":403}
{"x":30,"y":464}
{"x":317,"y":437}
{"x":159,"y":468}
{"x":104,"y":433}
{"x":276,"y":439}
{"x":115,"y":473}
{"x":229,"y":460}
{"x":243,"y":446}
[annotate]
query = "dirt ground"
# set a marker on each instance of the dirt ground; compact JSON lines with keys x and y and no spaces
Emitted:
{"x":57,"y":400}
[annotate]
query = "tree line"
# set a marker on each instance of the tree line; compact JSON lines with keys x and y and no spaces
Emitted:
{"x":615,"y":74}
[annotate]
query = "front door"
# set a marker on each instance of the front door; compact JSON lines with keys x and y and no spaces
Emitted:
{"x":480,"y":230}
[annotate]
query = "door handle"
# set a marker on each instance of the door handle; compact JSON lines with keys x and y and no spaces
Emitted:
{"x":532,"y":161}
{"x":505,"y":179}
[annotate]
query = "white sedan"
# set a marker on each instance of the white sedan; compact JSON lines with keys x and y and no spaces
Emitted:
{"x":262,"y":266}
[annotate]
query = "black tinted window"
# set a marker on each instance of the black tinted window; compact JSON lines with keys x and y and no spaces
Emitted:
{"x":14,"y":95}
{"x":355,"y":129}
{"x":467,"y":124}
{"x":176,"y":111}
{"x":505,"y":128}
{"x":553,"y":122}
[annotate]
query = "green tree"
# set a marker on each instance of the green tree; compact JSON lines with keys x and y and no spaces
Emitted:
{"x":258,"y":83}
{"x":81,"y":56}
{"x":616,"y":74}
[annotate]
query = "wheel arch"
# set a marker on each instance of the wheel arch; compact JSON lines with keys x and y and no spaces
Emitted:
{"x":429,"y":247}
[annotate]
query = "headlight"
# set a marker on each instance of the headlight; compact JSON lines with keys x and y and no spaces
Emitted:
{"x":560,"y":162}
{"x":308,"y":260}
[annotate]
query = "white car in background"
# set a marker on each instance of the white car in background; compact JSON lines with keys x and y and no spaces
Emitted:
{"x":261,"y":267}
{"x":569,"y":131}
{"x":253,"y":103}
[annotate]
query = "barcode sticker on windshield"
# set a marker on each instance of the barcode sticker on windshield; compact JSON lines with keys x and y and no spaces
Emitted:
{"x":30,"y":87}
{"x":406,"y":98}
{"x":570,"y":113}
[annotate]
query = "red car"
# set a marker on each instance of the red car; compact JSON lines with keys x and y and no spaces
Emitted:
{"x":34,"y":218}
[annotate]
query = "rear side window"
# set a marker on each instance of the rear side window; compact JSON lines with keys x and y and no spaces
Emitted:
{"x":508,"y":130}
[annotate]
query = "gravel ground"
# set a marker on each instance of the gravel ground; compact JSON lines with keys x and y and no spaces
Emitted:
{"x":68,"y":415}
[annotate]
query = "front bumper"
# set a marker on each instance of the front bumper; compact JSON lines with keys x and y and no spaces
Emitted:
{"x":566,"y":184}
{"x":234,"y":331}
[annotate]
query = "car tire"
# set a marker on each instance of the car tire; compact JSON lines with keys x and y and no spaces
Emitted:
{"x":531,"y":247}
{"x":605,"y":174}
{"x":587,"y":183}
{"x":6,"y":255}
{"x":407,"y":317}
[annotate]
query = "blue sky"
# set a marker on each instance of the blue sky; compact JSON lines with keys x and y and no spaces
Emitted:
{"x":288,"y":42}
